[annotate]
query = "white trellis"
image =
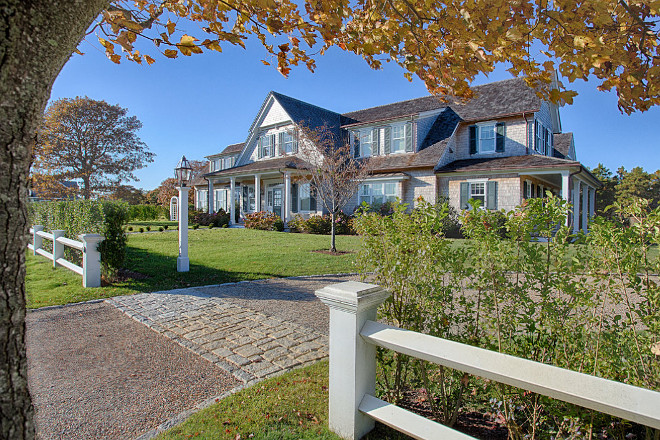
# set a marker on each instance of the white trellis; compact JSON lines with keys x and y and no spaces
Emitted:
{"x":174,"y":209}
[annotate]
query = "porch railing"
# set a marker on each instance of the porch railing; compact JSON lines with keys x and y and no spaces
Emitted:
{"x":91,"y":257}
{"x":354,"y":335}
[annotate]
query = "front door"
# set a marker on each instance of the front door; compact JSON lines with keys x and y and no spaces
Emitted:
{"x":277,"y":201}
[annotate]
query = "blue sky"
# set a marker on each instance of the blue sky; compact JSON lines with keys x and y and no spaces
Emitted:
{"x":197,"y":105}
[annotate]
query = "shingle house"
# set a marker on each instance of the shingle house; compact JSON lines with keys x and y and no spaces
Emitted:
{"x":501,"y":147}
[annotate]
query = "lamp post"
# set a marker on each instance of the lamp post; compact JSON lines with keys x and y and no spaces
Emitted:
{"x":183,"y":172}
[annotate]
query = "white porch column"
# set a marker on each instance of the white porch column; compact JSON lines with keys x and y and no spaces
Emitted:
{"x":257,"y":193}
{"x":352,"y":360}
{"x":287,"y":197}
{"x":565,"y":188}
{"x":585,"y":208}
{"x":211,"y":209}
{"x":592,"y":202}
{"x":576,"y":206}
{"x":232,"y":202}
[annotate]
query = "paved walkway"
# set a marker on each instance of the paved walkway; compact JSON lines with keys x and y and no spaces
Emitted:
{"x":251,"y":330}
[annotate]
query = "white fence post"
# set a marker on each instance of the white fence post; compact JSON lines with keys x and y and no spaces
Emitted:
{"x":58,"y":248}
{"x":91,"y":260}
{"x":352,"y":360}
{"x":37,"y":241}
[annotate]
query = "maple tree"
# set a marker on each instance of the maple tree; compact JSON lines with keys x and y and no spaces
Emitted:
{"x":334,"y":174}
{"x":90,"y":140}
{"x":164,"y":192}
{"x":127,"y":193}
{"x":444,"y":43}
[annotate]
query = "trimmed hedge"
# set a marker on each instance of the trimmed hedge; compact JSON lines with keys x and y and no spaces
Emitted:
{"x":87,"y":217}
{"x":147,"y":212}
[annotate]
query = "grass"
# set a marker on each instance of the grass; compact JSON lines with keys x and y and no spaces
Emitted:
{"x":288,"y":407}
{"x":216,"y":256}
{"x":154,"y":224}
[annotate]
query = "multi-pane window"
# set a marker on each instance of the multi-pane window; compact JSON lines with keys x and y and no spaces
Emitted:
{"x":305,"y":197}
{"x":202,"y":199}
{"x":220,"y":198}
{"x":266,"y":145}
{"x":486,"y":138}
{"x":248,"y":198}
{"x":543,"y":139}
{"x":287,"y":143}
{"x":366,"y":142}
{"x":377,"y":193}
{"x":478,"y":192}
{"x":398,"y":139}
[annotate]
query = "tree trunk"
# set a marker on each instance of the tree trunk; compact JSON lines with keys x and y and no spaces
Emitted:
{"x":38,"y":37}
{"x":333,"y":248}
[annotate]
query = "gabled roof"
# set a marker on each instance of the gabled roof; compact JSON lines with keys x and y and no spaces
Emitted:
{"x":426,"y":158}
{"x":562,"y":144}
{"x":233,"y":148}
{"x":507,"y":163}
{"x":493,"y":100}
{"x":309,"y":115}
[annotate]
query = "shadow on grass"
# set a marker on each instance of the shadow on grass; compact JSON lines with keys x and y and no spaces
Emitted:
{"x":161,"y":275}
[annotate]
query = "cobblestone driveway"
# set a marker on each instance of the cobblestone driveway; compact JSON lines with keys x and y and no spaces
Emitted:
{"x":248,"y":329}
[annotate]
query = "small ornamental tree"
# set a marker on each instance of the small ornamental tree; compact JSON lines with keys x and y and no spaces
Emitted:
{"x":335,"y":175}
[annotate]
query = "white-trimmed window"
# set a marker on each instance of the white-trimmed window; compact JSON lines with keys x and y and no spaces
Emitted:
{"x":202,"y":202}
{"x":306,"y":198}
{"x":366,"y":142}
{"x":220,"y":199}
{"x":486,"y":138}
{"x":485,"y":191}
{"x":398,"y":139}
{"x":377,"y":193}
{"x":266,"y":145}
{"x":287,"y":141}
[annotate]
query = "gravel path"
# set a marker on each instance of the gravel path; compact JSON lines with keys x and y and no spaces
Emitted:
{"x":94,"y":373}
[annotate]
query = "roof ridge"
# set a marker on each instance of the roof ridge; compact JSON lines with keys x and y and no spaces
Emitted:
{"x":447,"y":104}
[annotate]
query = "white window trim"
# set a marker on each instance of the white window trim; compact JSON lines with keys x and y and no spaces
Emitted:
{"x":479,"y":126}
{"x":306,"y":211}
{"x":475,"y":181}
{"x":384,"y":182}
{"x":405,"y":127}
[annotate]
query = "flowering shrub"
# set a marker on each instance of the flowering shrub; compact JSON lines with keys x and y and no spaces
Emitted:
{"x":264,"y":220}
{"x":322,"y":225}
{"x":217,"y":219}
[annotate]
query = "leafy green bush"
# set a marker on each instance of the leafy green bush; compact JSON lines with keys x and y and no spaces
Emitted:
{"x":217,"y":219}
{"x":130,"y":228}
{"x":160,"y":229}
{"x":263,"y":220}
{"x":591,"y":307}
{"x":77,"y":217}
{"x":141,"y":230}
{"x":195,"y":226}
{"x":148,"y":228}
{"x":322,"y":225}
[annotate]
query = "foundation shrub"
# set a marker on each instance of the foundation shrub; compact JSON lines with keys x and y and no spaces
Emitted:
{"x":524,"y":285}
{"x":322,"y":225}
{"x":218,"y":219}
{"x":263,"y":220}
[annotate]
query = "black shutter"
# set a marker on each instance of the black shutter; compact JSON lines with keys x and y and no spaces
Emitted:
{"x":260,"y":144}
{"x":536,"y":135}
{"x":356,"y":144}
{"x":409,"y":137}
{"x":491,"y":195}
{"x":388,"y":140}
{"x":375,"y":142}
{"x":524,"y":189}
{"x":500,"y":137}
{"x":272,"y":145}
{"x":294,"y":197}
{"x":246,"y":196}
{"x":473,"y":139}
{"x":312,"y":199}
{"x":465,"y":187}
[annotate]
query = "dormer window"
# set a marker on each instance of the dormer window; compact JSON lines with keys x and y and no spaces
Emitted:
{"x":288,"y":143}
{"x":366,"y":142}
{"x":487,"y":137}
{"x":266,"y":147}
{"x":398,"y":138}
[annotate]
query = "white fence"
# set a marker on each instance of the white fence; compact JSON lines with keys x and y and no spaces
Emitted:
{"x":91,"y":258}
{"x":354,"y":335}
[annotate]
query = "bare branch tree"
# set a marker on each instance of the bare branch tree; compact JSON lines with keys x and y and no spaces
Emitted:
{"x":334,"y":174}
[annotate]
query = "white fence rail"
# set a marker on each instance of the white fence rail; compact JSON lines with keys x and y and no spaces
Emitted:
{"x":354,"y":335}
{"x":91,"y":258}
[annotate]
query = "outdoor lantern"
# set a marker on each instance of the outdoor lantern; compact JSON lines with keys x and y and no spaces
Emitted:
{"x":183,"y":171}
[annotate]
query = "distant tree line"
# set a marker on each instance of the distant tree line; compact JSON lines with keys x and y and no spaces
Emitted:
{"x":624,"y":186}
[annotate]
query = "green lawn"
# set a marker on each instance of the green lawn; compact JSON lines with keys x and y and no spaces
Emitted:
{"x":216,"y":256}
{"x":288,"y":407}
